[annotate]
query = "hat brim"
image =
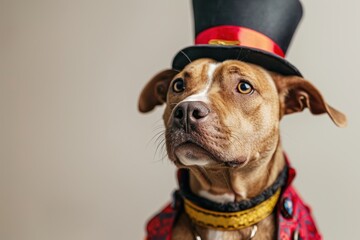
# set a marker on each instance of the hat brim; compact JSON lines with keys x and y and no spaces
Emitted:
{"x":221,"y":53}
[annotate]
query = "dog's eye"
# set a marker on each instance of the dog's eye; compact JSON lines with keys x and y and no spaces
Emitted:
{"x":178,"y":85}
{"x":245,"y":87}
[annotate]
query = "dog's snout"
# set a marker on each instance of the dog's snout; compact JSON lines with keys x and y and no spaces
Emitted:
{"x":190,"y":113}
{"x":193,"y":111}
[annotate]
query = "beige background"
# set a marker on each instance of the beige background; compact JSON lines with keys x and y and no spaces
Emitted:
{"x":76,"y":158}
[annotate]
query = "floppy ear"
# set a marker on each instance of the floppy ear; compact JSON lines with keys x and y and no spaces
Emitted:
{"x":296,"y":94}
{"x":155,"y":91}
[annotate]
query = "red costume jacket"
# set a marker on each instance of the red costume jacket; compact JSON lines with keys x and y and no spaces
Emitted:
{"x":293,"y":217}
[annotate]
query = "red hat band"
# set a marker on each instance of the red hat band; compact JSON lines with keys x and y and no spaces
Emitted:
{"x":239,"y":36}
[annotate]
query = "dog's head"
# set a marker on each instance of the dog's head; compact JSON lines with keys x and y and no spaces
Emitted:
{"x":227,"y":114}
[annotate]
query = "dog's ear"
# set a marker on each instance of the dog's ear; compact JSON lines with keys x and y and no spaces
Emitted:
{"x":155,"y":91}
{"x":296,"y":94}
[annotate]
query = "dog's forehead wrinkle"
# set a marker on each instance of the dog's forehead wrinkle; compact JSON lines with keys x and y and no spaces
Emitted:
{"x":237,"y":66}
{"x":187,"y":74}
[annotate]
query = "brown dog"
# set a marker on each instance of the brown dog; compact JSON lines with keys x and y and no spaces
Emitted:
{"x":222,"y":123}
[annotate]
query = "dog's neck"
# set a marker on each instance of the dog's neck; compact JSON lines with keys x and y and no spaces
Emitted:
{"x":233,"y":184}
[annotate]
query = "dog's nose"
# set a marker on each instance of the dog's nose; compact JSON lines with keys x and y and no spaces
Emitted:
{"x":190,"y":113}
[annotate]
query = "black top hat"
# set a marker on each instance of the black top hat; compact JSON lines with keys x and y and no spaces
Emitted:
{"x":254,"y":31}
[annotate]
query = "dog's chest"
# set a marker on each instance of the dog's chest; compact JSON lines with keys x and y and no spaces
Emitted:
{"x":221,"y":235}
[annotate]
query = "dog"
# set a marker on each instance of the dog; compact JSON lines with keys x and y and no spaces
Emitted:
{"x":222,"y":124}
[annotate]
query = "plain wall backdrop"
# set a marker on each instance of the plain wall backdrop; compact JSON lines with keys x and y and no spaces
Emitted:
{"x":77,"y":160}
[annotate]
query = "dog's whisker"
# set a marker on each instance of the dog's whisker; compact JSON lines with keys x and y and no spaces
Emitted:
{"x":158,"y":146}
{"x":160,"y":152}
{"x":153,"y":139}
{"x":161,"y":157}
{"x":160,"y":137}
{"x":159,"y":131}
{"x":158,"y":128}
{"x":156,"y":137}
{"x":205,"y":172}
{"x":163,"y":151}
{"x":163,"y":144}
{"x":226,"y":180}
{"x":164,"y":156}
{"x":159,"y":141}
{"x":157,"y":123}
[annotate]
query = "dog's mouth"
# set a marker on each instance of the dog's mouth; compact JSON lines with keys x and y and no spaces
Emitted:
{"x":190,"y":153}
{"x":193,"y":154}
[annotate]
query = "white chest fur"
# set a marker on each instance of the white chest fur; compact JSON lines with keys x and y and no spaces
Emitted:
{"x":221,"y":198}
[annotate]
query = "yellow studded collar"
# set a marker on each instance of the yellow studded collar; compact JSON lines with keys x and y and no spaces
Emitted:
{"x":231,"y":220}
